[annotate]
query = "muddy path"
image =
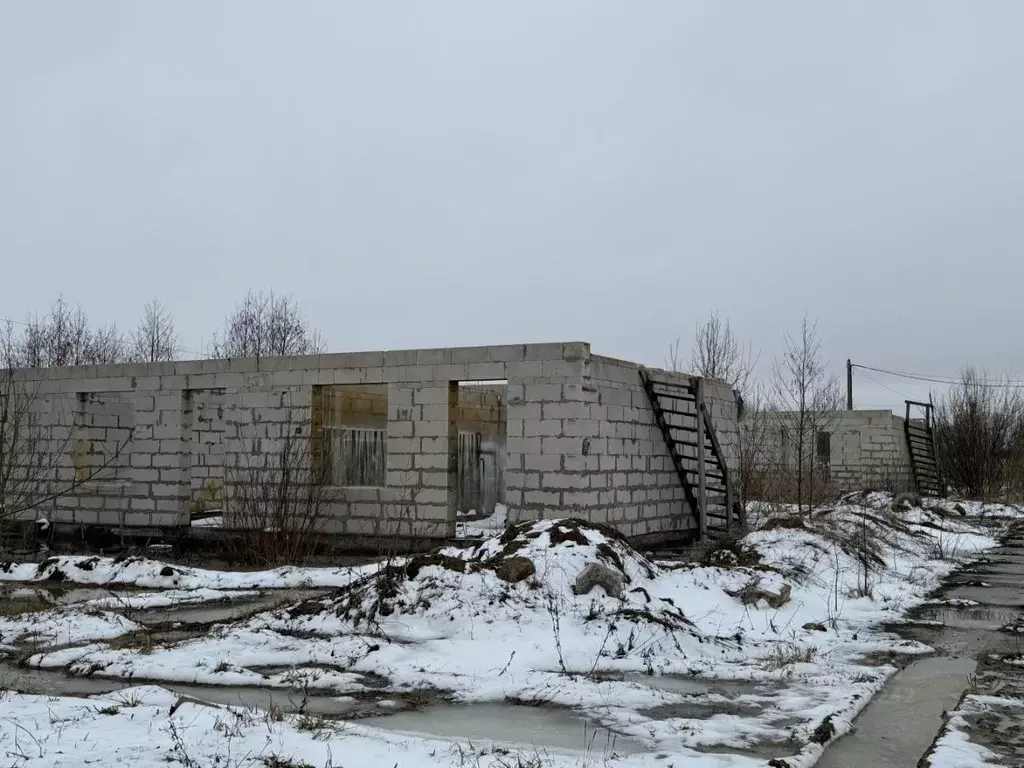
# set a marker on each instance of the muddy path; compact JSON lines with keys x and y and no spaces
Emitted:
{"x":968,"y":624}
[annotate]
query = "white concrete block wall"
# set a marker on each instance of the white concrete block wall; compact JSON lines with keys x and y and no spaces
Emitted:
{"x":632,"y":480}
{"x":199,"y":424}
{"x":868,"y":449}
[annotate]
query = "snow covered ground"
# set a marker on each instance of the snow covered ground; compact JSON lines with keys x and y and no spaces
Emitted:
{"x":765,"y":649}
{"x":954,"y":749}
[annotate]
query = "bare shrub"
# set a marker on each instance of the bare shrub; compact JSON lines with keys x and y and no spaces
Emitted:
{"x":979,"y":434}
{"x":266,"y":325}
{"x":280,"y":500}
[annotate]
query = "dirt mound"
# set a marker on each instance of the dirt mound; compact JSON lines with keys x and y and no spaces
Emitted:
{"x":531,"y":568}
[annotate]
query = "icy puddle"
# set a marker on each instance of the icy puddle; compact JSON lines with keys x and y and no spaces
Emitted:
{"x":543,"y":728}
{"x":984,"y":617}
{"x":223,"y":611}
{"x":996,"y":580}
{"x":900,"y":723}
{"x":1011,"y":596}
{"x":698,"y":686}
{"x":994,"y":568}
{"x":220,"y":606}
{"x":54,"y":683}
{"x":45,"y":598}
{"x":539,"y":727}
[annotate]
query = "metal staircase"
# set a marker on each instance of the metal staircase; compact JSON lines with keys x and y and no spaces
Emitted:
{"x":682,"y":415}
{"x":920,"y":434}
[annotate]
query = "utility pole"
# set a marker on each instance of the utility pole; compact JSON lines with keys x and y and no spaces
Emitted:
{"x":849,"y":385}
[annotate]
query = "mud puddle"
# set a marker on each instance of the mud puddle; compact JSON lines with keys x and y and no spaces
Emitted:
{"x":538,"y":727}
{"x":698,"y":686}
{"x":699,"y":709}
{"x":1001,"y":730}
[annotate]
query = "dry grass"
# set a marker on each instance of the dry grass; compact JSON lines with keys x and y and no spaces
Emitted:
{"x":13,"y":608}
{"x":785,"y":655}
{"x":320,"y":727}
{"x":141,"y":641}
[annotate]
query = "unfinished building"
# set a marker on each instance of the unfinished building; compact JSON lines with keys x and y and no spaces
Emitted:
{"x":853,"y":449}
{"x":398,"y":442}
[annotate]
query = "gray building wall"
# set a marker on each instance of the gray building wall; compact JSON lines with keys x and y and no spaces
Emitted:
{"x":867,"y":449}
{"x":580,"y":436}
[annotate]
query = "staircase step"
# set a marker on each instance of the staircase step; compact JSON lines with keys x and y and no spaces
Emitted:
{"x":658,"y":382}
{"x":675,"y":396}
{"x":690,"y":443}
{"x":707,"y":475}
{"x":682,"y":428}
{"x":674,"y":412}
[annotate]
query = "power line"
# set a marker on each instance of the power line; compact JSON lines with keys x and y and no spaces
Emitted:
{"x":886,"y":386}
{"x":940,"y":379}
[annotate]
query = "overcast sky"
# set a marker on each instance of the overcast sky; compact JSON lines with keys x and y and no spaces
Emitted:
{"x":441,"y":173}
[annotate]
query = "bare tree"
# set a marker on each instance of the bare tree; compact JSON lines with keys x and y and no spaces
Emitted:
{"x":717,"y":354}
{"x":808,"y":399}
{"x":64,"y":336}
{"x":31,"y":349}
{"x":754,"y":460}
{"x":154,"y":340}
{"x":979,"y":433}
{"x":279,"y":499}
{"x":35,"y":441}
{"x":105,"y":345}
{"x":266,"y":325}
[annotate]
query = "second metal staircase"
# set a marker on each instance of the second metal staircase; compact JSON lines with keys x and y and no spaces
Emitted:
{"x":920,"y":433}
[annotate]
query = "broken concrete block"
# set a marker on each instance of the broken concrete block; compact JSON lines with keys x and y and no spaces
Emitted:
{"x":515,"y":569}
{"x":597,"y":575}
{"x":753,"y":593}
